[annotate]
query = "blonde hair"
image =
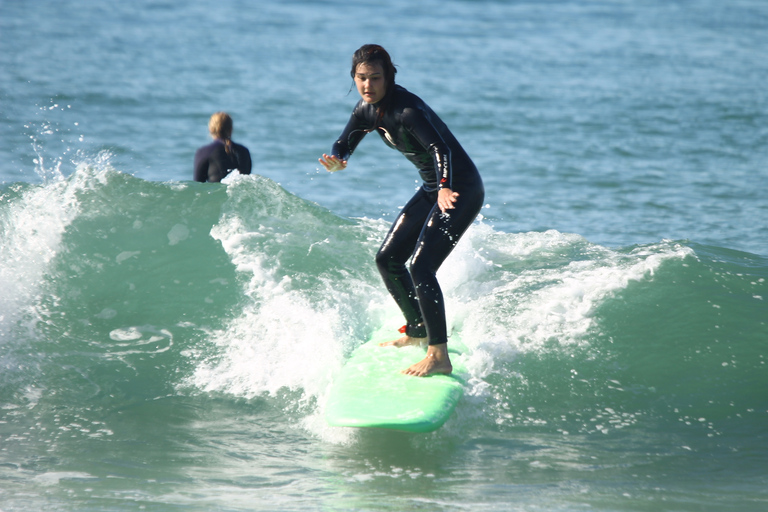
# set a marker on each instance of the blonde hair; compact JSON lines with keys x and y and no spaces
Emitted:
{"x":220,"y":126}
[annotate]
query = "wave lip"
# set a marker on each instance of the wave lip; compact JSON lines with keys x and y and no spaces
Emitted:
{"x":249,"y":291}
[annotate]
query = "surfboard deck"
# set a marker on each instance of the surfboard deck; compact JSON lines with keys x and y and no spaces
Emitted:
{"x":371,"y":392}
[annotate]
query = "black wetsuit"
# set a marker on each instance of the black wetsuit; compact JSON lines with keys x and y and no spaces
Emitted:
{"x":212,"y":163}
{"x":421,"y":231}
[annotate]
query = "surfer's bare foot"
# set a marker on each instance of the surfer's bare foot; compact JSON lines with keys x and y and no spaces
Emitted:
{"x":404,"y":342}
{"x":436,"y":362}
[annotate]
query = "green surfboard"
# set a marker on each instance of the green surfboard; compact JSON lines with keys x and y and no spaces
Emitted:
{"x":370,"y":390}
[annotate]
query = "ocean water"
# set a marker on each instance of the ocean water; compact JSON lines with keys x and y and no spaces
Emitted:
{"x":169,"y":345}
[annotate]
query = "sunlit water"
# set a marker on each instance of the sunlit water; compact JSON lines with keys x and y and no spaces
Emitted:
{"x":168,"y":345}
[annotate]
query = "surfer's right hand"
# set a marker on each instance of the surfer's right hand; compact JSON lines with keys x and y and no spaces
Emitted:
{"x":332,"y":163}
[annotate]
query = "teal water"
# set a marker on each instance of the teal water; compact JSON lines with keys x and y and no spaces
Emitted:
{"x":168,"y":345}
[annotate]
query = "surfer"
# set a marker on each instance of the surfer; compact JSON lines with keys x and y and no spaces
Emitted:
{"x":431,"y":223}
{"x":216,"y":160}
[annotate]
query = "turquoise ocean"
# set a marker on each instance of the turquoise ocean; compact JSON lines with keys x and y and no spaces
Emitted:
{"x":167,"y":345}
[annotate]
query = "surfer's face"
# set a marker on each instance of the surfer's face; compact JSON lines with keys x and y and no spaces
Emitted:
{"x":370,"y":82}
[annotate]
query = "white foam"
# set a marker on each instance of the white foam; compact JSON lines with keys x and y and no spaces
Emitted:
{"x":505,"y":294}
{"x":177,"y":234}
{"x":515,"y":308}
{"x":55,"y":477}
{"x":32,"y":226}
{"x":286,"y":337}
{"x":283,"y":343}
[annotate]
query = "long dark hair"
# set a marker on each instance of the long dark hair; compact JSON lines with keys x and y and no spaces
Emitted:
{"x":368,"y":54}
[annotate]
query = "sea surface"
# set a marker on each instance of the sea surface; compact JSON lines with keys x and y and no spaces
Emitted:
{"x":167,"y":345}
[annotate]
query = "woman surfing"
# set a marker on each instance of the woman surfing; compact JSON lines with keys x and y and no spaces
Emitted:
{"x":431,"y":223}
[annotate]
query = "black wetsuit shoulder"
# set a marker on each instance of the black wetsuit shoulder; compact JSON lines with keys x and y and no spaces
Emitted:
{"x":413,"y":128}
{"x":212,"y":163}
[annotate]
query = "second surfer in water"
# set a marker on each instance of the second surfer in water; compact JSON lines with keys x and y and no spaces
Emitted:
{"x":216,"y":160}
{"x":431,"y":223}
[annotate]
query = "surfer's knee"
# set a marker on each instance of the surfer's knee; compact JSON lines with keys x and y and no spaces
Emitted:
{"x":388,"y":265}
{"x":423,"y":272}
{"x":382,"y":261}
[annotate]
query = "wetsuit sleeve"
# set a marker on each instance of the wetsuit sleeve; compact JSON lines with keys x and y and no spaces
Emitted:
{"x":353,"y":133}
{"x":244,"y":160}
{"x":421,"y":128}
{"x":201,"y":166}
